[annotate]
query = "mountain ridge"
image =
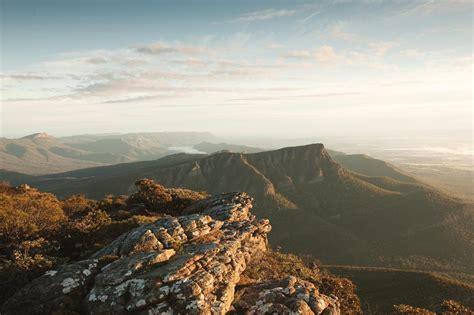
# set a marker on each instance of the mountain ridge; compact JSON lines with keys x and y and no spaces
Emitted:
{"x":38,"y":135}
{"x":377,"y":219}
{"x":41,"y":154}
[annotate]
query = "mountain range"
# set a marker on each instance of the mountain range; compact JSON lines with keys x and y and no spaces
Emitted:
{"x":342,"y":209}
{"x":41,"y":153}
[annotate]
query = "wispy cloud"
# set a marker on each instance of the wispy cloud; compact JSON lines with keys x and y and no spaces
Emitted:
{"x":427,"y":7}
{"x":413,"y":53}
{"x":96,"y":60}
{"x":263,"y":15}
{"x":29,"y":77}
{"x":156,"y":49}
{"x":322,"y":54}
{"x":339,"y":31}
{"x":290,"y":97}
{"x":299,"y":54}
{"x":160,"y":48}
{"x":381,"y":48}
{"x":325,"y":54}
{"x":191,"y":62}
{"x":275,"y":46}
{"x":137,"y":99}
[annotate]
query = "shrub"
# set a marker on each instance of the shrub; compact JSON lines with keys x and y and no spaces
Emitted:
{"x":410,"y":310}
{"x":28,"y":215}
{"x":39,"y":232}
{"x":454,"y":307}
{"x":77,"y":205}
{"x":447,"y":307}
{"x":157,"y":198}
{"x":272,"y":265}
{"x":113,"y":203}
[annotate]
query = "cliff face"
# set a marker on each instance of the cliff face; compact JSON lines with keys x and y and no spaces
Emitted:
{"x":186,"y":265}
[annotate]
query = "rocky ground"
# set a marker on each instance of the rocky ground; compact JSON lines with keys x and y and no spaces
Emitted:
{"x":185,"y":265}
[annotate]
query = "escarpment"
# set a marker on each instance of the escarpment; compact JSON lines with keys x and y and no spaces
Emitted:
{"x":188,"y":264}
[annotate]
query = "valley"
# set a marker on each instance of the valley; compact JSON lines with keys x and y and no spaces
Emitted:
{"x":362,"y":218}
{"x":369,"y":212}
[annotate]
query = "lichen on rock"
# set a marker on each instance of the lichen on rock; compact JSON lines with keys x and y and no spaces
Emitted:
{"x":177,"y":265}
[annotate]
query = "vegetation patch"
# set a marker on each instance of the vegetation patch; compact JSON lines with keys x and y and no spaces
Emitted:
{"x":38,"y":231}
{"x":274,"y":265}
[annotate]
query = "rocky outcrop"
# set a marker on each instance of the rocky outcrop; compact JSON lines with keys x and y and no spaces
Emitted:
{"x":287,"y":296}
{"x":186,"y":265}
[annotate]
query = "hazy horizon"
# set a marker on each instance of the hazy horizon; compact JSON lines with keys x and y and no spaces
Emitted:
{"x":267,"y":68}
{"x":236,"y":157}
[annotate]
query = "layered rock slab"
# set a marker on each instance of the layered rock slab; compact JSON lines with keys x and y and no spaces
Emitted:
{"x":176,"y":265}
{"x":286,"y":296}
{"x":188,"y":264}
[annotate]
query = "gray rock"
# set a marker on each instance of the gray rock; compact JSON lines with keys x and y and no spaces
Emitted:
{"x":187,"y":265}
{"x":288,"y":296}
{"x":184,"y":265}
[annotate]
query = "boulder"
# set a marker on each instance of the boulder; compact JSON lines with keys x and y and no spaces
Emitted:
{"x":188,"y":264}
{"x":287,"y":296}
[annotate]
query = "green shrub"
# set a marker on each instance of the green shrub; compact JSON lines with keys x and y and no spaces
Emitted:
{"x":159,"y":199}
{"x":112,"y":203}
{"x":28,"y":215}
{"x":271,"y":265}
{"x":404,"y":309}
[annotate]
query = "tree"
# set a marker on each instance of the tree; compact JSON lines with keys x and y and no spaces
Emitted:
{"x":157,"y":198}
{"x":28,"y":215}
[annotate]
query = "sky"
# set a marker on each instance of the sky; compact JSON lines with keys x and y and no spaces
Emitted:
{"x":283,"y":68}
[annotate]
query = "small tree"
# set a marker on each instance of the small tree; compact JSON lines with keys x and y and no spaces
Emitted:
{"x":152,"y":195}
{"x":157,"y":198}
{"x":77,"y":205}
{"x":28,"y":215}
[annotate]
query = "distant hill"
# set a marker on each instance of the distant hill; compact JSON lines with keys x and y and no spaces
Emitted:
{"x":381,"y":288}
{"x":145,"y":139}
{"x":208,"y":147}
{"x":15,"y":178}
{"x":41,"y":153}
{"x":316,"y":205}
{"x":363,"y":164}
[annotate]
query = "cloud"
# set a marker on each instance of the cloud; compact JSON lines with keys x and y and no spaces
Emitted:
{"x":413,"y":53}
{"x":275,"y":46}
{"x":134,"y":62}
{"x":29,"y":77}
{"x":263,"y":15}
{"x":290,"y":97}
{"x":36,"y":99}
{"x":427,"y":7}
{"x":381,"y":48}
{"x":192,"y":62}
{"x":299,"y":54}
{"x":325,"y":54}
{"x":155,"y":49}
{"x":96,"y":60}
{"x":338,"y":31}
{"x":322,"y":54}
{"x":160,"y":49}
{"x":137,"y":99}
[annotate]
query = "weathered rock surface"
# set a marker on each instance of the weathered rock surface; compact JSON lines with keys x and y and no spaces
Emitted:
{"x":287,"y":296}
{"x":184,"y":265}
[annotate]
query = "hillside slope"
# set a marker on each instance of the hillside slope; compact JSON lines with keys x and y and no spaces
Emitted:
{"x":309,"y":197}
{"x":189,"y":264}
{"x":381,"y":288}
{"x":364,"y":164}
{"x":41,"y":153}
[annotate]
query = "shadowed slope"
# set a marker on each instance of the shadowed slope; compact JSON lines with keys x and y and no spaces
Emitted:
{"x":316,"y":205}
